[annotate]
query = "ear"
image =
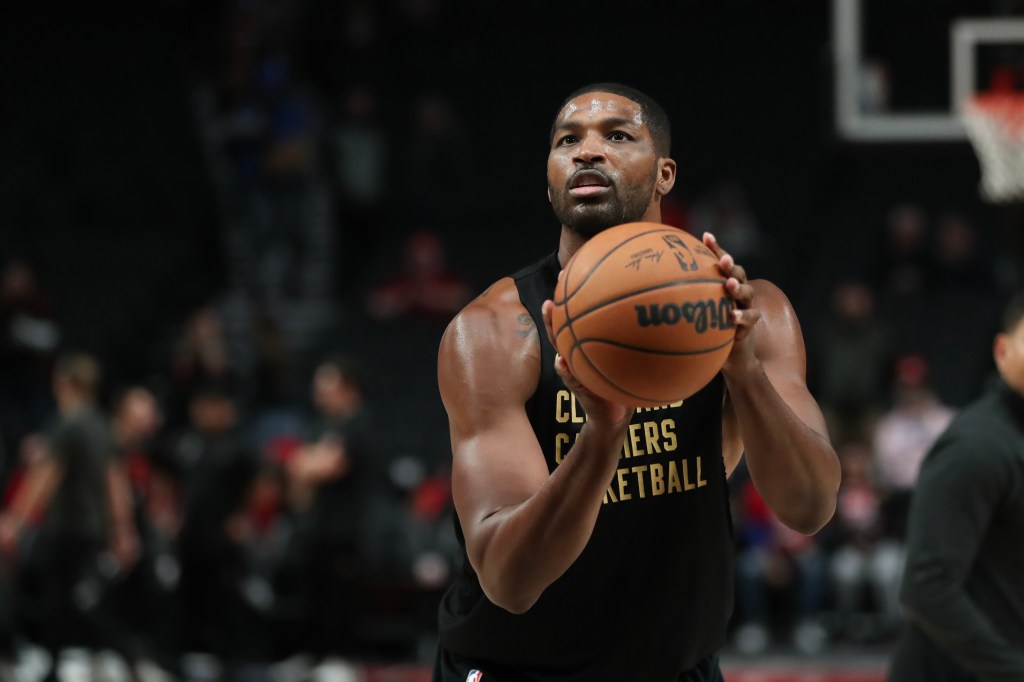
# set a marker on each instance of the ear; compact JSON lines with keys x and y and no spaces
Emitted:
{"x":1000,"y":349}
{"x":549,"y":195}
{"x":666,"y":176}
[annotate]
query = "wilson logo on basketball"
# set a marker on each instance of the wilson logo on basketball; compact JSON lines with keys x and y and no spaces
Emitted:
{"x":703,"y":315}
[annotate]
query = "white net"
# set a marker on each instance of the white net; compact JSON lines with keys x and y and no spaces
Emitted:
{"x":995,"y":127}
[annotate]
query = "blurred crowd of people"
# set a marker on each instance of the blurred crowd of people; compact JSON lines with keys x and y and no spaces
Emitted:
{"x":156,"y":519}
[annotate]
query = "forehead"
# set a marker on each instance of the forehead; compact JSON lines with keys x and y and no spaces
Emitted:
{"x":598,"y":105}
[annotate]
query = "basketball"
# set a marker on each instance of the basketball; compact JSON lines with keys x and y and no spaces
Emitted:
{"x":642,"y":316}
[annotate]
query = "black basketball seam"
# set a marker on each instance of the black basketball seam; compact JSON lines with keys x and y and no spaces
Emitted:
{"x":604,"y":376}
{"x":568,"y":320}
{"x":665,"y":285}
{"x":579,"y":346}
{"x":603,"y":258}
{"x":652,"y":351}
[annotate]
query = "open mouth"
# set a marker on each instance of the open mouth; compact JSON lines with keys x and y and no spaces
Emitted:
{"x":589,"y":183}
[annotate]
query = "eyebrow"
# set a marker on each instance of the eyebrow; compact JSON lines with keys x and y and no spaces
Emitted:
{"x":613,"y":122}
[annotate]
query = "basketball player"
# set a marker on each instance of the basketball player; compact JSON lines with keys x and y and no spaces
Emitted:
{"x":597,"y":537}
{"x":963,"y":586}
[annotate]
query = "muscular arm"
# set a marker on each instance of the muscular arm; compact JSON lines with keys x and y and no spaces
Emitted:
{"x":772,"y":418}
{"x":523,"y":527}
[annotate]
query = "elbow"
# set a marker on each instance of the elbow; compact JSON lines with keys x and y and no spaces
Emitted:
{"x":820,"y":506}
{"x":812,"y":516}
{"x":516,"y":599}
{"x":506,"y":588}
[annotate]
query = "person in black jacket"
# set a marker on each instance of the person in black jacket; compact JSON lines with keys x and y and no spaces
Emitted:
{"x":963,"y":587}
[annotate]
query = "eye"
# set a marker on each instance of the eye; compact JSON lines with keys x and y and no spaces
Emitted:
{"x":566,"y":139}
{"x":619,"y":136}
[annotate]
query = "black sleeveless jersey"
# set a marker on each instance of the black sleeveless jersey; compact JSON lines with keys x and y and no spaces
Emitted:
{"x":652,"y":592}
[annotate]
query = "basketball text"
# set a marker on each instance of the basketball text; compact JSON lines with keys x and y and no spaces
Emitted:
{"x":650,"y":463}
{"x":703,"y":315}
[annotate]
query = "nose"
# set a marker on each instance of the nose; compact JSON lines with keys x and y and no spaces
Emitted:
{"x":590,"y":150}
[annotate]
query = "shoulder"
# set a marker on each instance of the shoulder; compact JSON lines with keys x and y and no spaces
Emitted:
{"x":489,"y":319}
{"x":771,"y":300}
{"x":984,"y":429}
{"x":490,"y":351}
{"x":778,"y":329}
{"x":978,"y":445}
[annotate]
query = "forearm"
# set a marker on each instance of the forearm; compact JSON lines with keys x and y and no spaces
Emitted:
{"x":531,"y":545}
{"x":119,"y":498}
{"x":793,"y":466}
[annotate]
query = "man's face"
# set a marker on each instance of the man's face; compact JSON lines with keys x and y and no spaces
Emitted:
{"x":602,"y":166}
{"x":1009,"y":356}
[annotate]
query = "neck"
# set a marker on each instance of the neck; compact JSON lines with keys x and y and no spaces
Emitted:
{"x":570,"y":241}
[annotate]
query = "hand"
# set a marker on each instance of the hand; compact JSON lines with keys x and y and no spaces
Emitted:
{"x":10,"y":530}
{"x":602,"y":413}
{"x":742,"y":357}
{"x":125,"y":547}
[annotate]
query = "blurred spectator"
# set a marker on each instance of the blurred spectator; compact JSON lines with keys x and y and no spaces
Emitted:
{"x":866,"y":566}
{"x":149,"y":588}
{"x":903,"y":267}
{"x":330,"y":479}
{"x":200,"y":357}
{"x":271,"y":398}
{"x":725,"y":213}
{"x":28,"y":339}
{"x":775,"y":564}
{"x":425,"y":289}
{"x":359,"y":142}
{"x":86,"y":537}
{"x":852,"y":362}
{"x":904,"y":435}
{"x":214,"y":473}
{"x":959,"y":262}
{"x":260,"y":132}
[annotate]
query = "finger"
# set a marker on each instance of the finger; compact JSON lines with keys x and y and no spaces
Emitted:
{"x":545,"y":310}
{"x":712,"y":243}
{"x":741,"y":292}
{"x":563,"y":371}
{"x":745,"y":319}
{"x":737,"y":271}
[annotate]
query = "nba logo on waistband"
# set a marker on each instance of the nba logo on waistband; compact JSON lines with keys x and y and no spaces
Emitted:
{"x":474,"y":676}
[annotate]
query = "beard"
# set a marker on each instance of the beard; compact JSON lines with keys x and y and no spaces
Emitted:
{"x":588,"y":217}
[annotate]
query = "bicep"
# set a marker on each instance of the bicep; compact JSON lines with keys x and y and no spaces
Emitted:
{"x":496,"y":467}
{"x":486,"y":374}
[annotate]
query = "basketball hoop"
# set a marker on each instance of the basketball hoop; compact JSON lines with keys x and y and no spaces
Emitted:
{"x":995,"y":127}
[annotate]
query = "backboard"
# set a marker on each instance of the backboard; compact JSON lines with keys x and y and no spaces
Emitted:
{"x":904,"y":68}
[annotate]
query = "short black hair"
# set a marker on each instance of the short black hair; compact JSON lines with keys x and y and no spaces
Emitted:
{"x":654,"y":115}
{"x":1013,"y":313}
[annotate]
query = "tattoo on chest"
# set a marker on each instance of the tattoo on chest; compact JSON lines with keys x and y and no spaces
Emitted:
{"x":526,"y":329}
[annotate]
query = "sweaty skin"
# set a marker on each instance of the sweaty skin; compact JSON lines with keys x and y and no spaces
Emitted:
{"x":524,"y":527}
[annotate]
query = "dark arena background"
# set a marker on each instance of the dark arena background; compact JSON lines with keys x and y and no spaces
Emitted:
{"x":252,"y":220}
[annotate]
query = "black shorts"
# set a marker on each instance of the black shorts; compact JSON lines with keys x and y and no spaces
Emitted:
{"x":451,"y":668}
